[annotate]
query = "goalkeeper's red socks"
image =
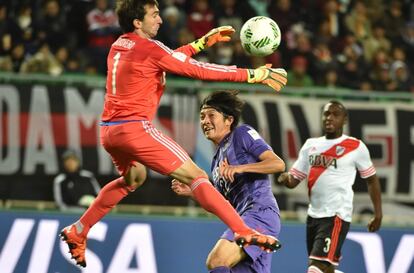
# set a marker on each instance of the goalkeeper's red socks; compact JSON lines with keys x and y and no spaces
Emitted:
{"x":211,"y":200}
{"x":109,"y":196}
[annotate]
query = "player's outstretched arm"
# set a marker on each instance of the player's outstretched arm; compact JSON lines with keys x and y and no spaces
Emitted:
{"x":219,"y":34}
{"x":288,"y":180}
{"x":276,"y":78}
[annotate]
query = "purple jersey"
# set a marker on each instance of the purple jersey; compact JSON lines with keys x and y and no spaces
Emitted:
{"x":250,"y":194}
{"x":249,"y":191}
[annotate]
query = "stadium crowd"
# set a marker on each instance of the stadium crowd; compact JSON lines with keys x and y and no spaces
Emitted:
{"x":358,"y":44}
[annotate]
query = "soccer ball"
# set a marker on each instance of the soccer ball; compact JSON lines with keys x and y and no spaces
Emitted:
{"x":260,"y":36}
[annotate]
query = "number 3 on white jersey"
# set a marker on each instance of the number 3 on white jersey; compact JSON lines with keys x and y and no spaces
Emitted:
{"x":116,"y":61}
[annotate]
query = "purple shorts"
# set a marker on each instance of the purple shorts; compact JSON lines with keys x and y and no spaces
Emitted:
{"x":266,"y":221}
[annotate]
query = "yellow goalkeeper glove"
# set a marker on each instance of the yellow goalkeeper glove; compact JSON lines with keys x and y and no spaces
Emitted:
{"x":276,"y":78}
{"x":220,"y":34}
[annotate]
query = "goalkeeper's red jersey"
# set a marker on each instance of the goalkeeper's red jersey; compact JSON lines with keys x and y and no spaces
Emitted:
{"x":136,"y":75}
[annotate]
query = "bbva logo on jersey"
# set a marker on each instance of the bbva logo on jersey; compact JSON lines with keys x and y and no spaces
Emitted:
{"x":322,"y":161}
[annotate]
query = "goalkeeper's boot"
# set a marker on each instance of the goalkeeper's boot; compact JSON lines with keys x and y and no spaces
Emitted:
{"x":76,"y":244}
{"x":266,"y":242}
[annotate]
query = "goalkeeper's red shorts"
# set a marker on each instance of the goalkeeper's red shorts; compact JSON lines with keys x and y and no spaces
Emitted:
{"x":129,"y":142}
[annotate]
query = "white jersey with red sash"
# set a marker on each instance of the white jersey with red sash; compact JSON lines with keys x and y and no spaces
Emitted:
{"x":330,"y":167}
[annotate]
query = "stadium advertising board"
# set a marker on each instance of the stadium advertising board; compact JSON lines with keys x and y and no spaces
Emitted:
{"x":38,"y":122}
{"x":29,"y":243}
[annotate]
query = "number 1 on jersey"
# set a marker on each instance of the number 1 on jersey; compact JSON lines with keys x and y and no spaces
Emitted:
{"x":116,"y":61}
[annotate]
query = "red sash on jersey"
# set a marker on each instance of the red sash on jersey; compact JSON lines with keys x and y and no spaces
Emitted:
{"x":337,"y":151}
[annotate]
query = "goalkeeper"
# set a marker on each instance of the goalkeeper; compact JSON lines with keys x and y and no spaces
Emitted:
{"x":135,"y":83}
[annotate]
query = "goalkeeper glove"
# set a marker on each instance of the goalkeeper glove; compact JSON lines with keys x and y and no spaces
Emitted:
{"x":276,"y":78}
{"x":220,"y":34}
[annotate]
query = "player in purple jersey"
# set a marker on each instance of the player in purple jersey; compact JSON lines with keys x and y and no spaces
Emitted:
{"x":240,"y":171}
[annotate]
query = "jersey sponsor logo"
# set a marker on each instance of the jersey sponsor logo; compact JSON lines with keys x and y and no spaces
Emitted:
{"x":322,"y":161}
{"x":317,"y":169}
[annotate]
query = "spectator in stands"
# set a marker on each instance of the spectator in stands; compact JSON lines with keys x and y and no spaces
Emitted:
{"x":71,"y":60}
{"x":331,"y":26}
{"x":298,"y":74}
{"x":352,"y":67}
{"x":227,"y":14}
{"x":402,"y":76}
{"x":407,"y":42}
{"x":185,"y":36}
{"x":334,"y":17}
{"x":366,"y":86}
{"x":201,"y":18}
{"x":381,"y":79}
{"x":300,"y":45}
{"x":51,"y":25}
{"x":375,"y":9}
{"x":12,"y":62}
{"x":173,"y":23}
{"x":73,"y":66}
{"x":24,"y":22}
{"x":103,"y":29}
{"x":25,"y":28}
{"x":331,"y":80}
{"x":350,"y":41}
{"x":393,"y":21}
{"x":6,"y":30}
{"x":398,"y":54}
{"x":74,"y":188}
{"x":284,"y":13}
{"x":376,"y":41}
{"x":380,"y":60}
{"x":322,"y":62}
{"x":358,"y":21}
{"x":42,"y":62}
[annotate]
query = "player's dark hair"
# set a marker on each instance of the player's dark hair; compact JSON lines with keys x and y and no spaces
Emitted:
{"x":227,"y":103}
{"x":129,"y":10}
{"x":338,"y":103}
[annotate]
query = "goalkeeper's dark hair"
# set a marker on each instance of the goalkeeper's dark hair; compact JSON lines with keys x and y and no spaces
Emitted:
{"x":226,"y":102}
{"x":129,"y":10}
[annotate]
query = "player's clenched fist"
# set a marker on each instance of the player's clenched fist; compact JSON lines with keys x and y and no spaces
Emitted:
{"x":276,"y":78}
{"x":180,"y":188}
{"x":283,"y":178}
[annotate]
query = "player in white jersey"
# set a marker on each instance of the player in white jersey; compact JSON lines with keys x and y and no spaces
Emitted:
{"x":329,"y":164}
